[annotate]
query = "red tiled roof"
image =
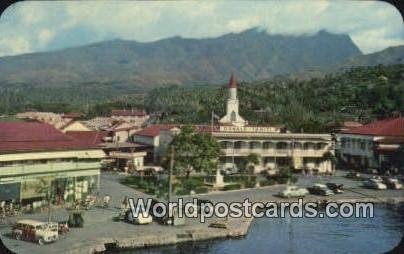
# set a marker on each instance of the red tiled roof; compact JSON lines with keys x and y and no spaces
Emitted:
{"x":72,"y":115}
{"x":232,"y":81}
{"x":154,"y":130}
{"x":31,"y":136}
{"x":119,"y":112}
{"x":89,"y":137}
{"x":386,"y":127}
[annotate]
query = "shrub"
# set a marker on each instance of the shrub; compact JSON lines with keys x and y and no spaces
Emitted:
{"x":150,"y":191}
{"x":201,"y":189}
{"x":210,"y":179}
{"x":234,"y":186}
{"x":293,"y":179}
{"x":181,"y":191}
{"x":192,"y":183}
{"x":267,"y":182}
{"x":249,"y":184}
{"x":282,"y":180}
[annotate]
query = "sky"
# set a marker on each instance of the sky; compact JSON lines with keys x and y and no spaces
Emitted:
{"x":34,"y":26}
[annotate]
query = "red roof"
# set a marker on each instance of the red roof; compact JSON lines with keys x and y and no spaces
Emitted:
{"x":89,"y":137}
{"x":32,"y":136}
{"x":72,"y":115}
{"x":386,"y":127}
{"x":120,"y":112}
{"x":154,"y":130}
{"x":232,"y":81}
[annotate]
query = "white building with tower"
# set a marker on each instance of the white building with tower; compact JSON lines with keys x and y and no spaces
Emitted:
{"x":275,"y":146}
{"x":232,"y":116}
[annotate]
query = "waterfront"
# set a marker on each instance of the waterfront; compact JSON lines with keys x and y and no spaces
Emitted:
{"x":315,"y":235}
{"x":100,"y":229}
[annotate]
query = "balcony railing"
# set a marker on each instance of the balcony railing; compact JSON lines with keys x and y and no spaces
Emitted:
{"x":275,"y":152}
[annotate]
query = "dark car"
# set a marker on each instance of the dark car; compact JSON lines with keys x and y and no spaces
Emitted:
{"x":320,"y":189}
{"x":336,"y":188}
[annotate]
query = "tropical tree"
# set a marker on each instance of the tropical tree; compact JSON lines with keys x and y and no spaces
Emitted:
{"x":194,"y":152}
{"x":247,"y":163}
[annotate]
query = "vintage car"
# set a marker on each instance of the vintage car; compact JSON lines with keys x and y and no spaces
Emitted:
{"x":336,"y":188}
{"x":392,"y":183}
{"x":320,"y":189}
{"x":36,"y":231}
{"x":293,"y":191}
{"x":141,"y":219}
{"x":374,"y":183}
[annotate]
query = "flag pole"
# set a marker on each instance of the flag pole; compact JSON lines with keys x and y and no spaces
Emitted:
{"x":211,"y":124}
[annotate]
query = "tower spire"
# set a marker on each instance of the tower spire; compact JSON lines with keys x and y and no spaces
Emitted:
{"x":233,"y":81}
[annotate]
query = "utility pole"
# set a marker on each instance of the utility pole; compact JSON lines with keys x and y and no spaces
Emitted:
{"x":49,"y":202}
{"x":170,"y":173}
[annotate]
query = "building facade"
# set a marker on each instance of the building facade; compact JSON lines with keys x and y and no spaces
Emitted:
{"x":274,"y":145}
{"x":36,"y":161}
{"x":372,"y":146}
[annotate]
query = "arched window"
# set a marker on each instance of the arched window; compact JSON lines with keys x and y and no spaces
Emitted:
{"x":233,"y":116}
{"x":281,"y":145}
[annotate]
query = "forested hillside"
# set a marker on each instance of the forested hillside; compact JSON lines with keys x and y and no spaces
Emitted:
{"x":362,"y":94}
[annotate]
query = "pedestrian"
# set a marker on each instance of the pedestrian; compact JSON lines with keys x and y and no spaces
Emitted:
{"x":125,"y":203}
{"x":106,"y":200}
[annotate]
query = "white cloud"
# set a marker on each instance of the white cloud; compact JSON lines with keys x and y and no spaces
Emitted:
{"x":38,"y":24}
{"x":44,"y":36}
{"x":239,"y":25}
{"x":14,"y":46}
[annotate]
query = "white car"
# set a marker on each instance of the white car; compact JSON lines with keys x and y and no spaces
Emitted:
{"x":392,"y":183}
{"x":141,"y":219}
{"x":374,"y":184}
{"x":293,"y":191}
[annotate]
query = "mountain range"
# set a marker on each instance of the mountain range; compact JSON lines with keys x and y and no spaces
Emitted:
{"x":252,"y":54}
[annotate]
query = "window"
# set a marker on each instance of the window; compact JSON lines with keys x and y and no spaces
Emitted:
{"x":233,"y":116}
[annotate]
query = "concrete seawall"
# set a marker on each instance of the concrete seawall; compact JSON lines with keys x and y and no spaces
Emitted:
{"x":235,"y":228}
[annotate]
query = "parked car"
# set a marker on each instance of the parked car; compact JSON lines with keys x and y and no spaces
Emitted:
{"x":353,"y":175}
{"x":392,"y":183}
{"x":371,"y":171}
{"x":293,"y":191}
{"x":336,"y":188}
{"x":141,"y":219}
{"x":320,"y":189}
{"x":374,"y":183}
{"x":229,"y":171}
{"x":36,"y":231}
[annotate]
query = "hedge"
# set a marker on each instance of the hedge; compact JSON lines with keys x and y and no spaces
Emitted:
{"x":249,"y":184}
{"x":267,"y":182}
{"x":201,"y":189}
{"x":234,"y":186}
{"x":181,"y":191}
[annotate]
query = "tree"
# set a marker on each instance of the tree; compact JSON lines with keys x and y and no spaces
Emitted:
{"x":248,"y":163}
{"x":194,"y":151}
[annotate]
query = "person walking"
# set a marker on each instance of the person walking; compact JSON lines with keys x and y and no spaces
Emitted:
{"x":106,"y":200}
